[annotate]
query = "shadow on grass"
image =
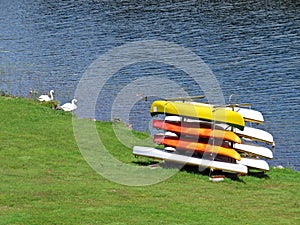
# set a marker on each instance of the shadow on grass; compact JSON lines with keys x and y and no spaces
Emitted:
{"x":202,"y":172}
{"x":189,"y":169}
{"x":258,"y":174}
{"x":149,"y":163}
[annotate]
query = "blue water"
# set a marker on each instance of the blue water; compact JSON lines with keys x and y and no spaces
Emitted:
{"x":253,"y":49}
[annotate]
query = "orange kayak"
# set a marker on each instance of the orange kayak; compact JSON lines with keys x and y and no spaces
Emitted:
{"x":200,"y":146}
{"x":195,"y":129}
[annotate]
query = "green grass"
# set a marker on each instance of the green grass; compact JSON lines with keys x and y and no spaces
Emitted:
{"x":44,"y":179}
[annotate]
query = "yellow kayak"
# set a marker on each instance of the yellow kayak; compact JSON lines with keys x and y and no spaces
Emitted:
{"x":200,"y":111}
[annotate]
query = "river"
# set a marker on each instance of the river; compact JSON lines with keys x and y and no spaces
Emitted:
{"x":252,"y":48}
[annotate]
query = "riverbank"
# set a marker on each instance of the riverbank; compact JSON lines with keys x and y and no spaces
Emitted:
{"x":45,"y":180}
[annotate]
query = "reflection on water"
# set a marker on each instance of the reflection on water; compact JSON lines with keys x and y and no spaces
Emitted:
{"x":252,"y":48}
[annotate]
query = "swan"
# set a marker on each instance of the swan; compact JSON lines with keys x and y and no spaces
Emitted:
{"x":69,"y":106}
{"x":46,"y":98}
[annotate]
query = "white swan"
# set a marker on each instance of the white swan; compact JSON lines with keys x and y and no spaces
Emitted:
{"x":46,"y":98}
{"x":69,"y":106}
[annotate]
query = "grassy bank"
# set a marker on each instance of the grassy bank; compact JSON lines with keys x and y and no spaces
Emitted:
{"x":45,"y":180}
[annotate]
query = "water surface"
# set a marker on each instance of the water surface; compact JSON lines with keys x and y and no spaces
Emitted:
{"x":252,"y":48}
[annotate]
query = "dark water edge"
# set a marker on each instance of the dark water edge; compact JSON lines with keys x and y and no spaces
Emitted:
{"x":252,"y":48}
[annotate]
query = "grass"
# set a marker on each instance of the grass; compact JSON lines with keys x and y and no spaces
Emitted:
{"x":45,"y":180}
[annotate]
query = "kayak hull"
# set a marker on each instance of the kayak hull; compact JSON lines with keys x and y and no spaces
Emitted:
{"x":195,"y":129}
{"x":258,"y":164}
{"x":254,"y":150}
{"x":250,"y":133}
{"x":202,"y":147}
{"x":182,"y":159}
{"x":199,"y":111}
{"x":249,"y":115}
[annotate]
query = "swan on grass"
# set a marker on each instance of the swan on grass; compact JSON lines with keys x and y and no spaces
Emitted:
{"x":69,"y":106}
{"x":46,"y":98}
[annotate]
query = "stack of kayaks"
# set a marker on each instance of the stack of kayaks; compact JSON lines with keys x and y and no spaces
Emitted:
{"x":209,"y":136}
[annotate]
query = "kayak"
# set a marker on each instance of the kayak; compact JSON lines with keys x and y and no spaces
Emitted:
{"x":253,"y":150}
{"x":195,"y":129}
{"x":250,"y":133}
{"x":200,"y":111}
{"x":255,"y":134}
{"x":249,"y":115}
{"x":182,"y":159}
{"x":255,"y":163}
{"x":200,"y":146}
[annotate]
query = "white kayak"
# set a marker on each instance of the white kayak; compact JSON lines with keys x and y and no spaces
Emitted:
{"x":254,"y":150}
{"x":255,"y":163}
{"x":255,"y":134}
{"x":182,"y":159}
{"x":250,"y":115}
